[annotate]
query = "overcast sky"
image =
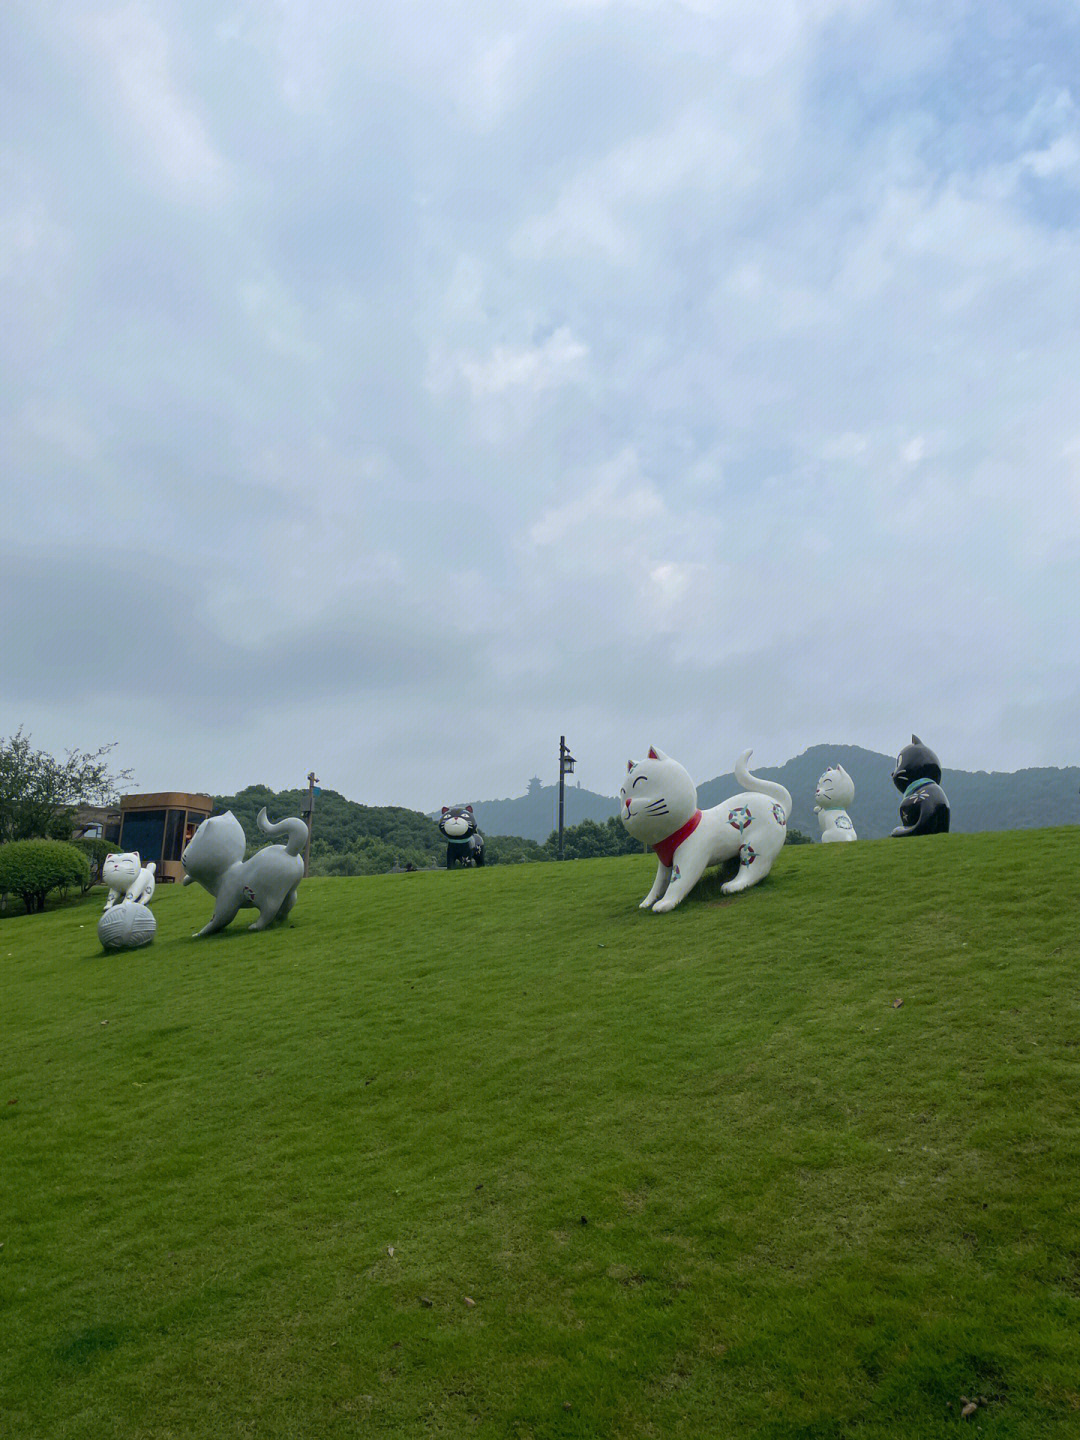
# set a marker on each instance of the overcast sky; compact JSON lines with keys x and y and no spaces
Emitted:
{"x":391,"y":388}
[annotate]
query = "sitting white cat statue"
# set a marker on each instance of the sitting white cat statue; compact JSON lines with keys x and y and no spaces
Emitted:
{"x":128,"y":878}
{"x":659,"y":807}
{"x":214,"y":856}
{"x":835,"y":790}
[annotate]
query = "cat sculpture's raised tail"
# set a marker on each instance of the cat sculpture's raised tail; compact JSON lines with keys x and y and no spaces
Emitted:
{"x":295,"y":829}
{"x":771,"y":788}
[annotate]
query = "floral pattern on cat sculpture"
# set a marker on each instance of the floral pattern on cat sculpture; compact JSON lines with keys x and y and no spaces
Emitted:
{"x":128,"y":878}
{"x":659,"y":808}
{"x":214,"y":856}
{"x":835,"y":791}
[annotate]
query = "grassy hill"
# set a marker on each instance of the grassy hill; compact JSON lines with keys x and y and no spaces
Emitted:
{"x":496,"y":1153}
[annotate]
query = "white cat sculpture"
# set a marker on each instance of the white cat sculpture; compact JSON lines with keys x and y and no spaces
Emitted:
{"x":214,"y":856}
{"x":659,"y":807}
{"x":835,"y":791}
{"x":128,"y":879}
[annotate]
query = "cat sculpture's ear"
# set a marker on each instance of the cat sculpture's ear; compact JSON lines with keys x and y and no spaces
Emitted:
{"x":446,"y":809}
{"x":655,"y":754}
{"x":915,"y":740}
{"x":469,"y":809}
{"x":629,"y":766}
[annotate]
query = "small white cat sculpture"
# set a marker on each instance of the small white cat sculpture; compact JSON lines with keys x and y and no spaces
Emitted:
{"x":659,"y":807}
{"x":214,"y":856}
{"x":835,"y":791}
{"x":128,"y":879}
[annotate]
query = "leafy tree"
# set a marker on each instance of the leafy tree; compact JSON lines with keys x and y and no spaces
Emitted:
{"x":37,"y":791}
{"x":95,"y":851}
{"x":591,"y":839}
{"x":31,"y":868}
{"x":511,"y":850}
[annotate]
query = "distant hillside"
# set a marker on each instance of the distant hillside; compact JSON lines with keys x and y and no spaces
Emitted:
{"x":352,"y":839}
{"x":535,"y":815}
{"x":980,"y":800}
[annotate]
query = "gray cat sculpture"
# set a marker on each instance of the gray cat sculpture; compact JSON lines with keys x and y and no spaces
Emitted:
{"x":214,"y":856}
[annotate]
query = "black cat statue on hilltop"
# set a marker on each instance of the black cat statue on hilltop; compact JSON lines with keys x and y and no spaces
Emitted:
{"x":924,"y":809}
{"x":465,"y":843}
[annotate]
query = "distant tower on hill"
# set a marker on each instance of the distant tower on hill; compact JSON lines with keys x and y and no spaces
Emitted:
{"x":534,"y":785}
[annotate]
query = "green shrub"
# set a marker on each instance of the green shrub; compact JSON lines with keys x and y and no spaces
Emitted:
{"x":31,"y":868}
{"x":511,"y":850}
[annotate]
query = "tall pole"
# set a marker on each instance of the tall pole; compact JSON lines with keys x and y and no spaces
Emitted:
{"x":562,"y":784}
{"x":309,"y":815}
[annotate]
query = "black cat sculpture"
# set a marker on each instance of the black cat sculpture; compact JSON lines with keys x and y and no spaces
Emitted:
{"x":924,"y":809}
{"x":465,"y":843}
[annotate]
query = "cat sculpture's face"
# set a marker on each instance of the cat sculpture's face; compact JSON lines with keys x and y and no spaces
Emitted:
{"x":658,"y":798}
{"x":120,"y":872}
{"x":218,"y":843}
{"x":457,"y":822}
{"x":835,"y":790}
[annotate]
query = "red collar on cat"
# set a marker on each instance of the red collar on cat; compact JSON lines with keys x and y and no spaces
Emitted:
{"x":665,"y":850}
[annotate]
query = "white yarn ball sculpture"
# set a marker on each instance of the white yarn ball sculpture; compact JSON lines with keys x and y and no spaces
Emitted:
{"x":126,"y":926}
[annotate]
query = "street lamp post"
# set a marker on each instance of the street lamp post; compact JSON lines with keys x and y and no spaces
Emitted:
{"x":566,"y":767}
{"x":308,"y":815}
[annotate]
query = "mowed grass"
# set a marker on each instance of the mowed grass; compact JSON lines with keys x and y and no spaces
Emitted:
{"x":698,"y":1173}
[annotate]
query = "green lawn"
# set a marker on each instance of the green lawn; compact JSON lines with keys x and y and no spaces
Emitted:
{"x":698,"y":1173}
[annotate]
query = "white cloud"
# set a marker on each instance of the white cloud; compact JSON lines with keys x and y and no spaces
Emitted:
{"x":493,"y":82}
{"x":154,"y":114}
{"x":31,"y":243}
{"x":846,"y":447}
{"x":278,"y":318}
{"x":598,"y":209}
{"x":1060,"y":157}
{"x":634,"y":362}
{"x":600,"y":520}
{"x":914,"y":450}
{"x":556,"y":361}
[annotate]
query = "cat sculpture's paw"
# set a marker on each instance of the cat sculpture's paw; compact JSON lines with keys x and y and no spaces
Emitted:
{"x":645,"y":905}
{"x":665,"y":904}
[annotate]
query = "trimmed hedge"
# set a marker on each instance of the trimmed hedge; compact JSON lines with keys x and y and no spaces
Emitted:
{"x":31,"y":868}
